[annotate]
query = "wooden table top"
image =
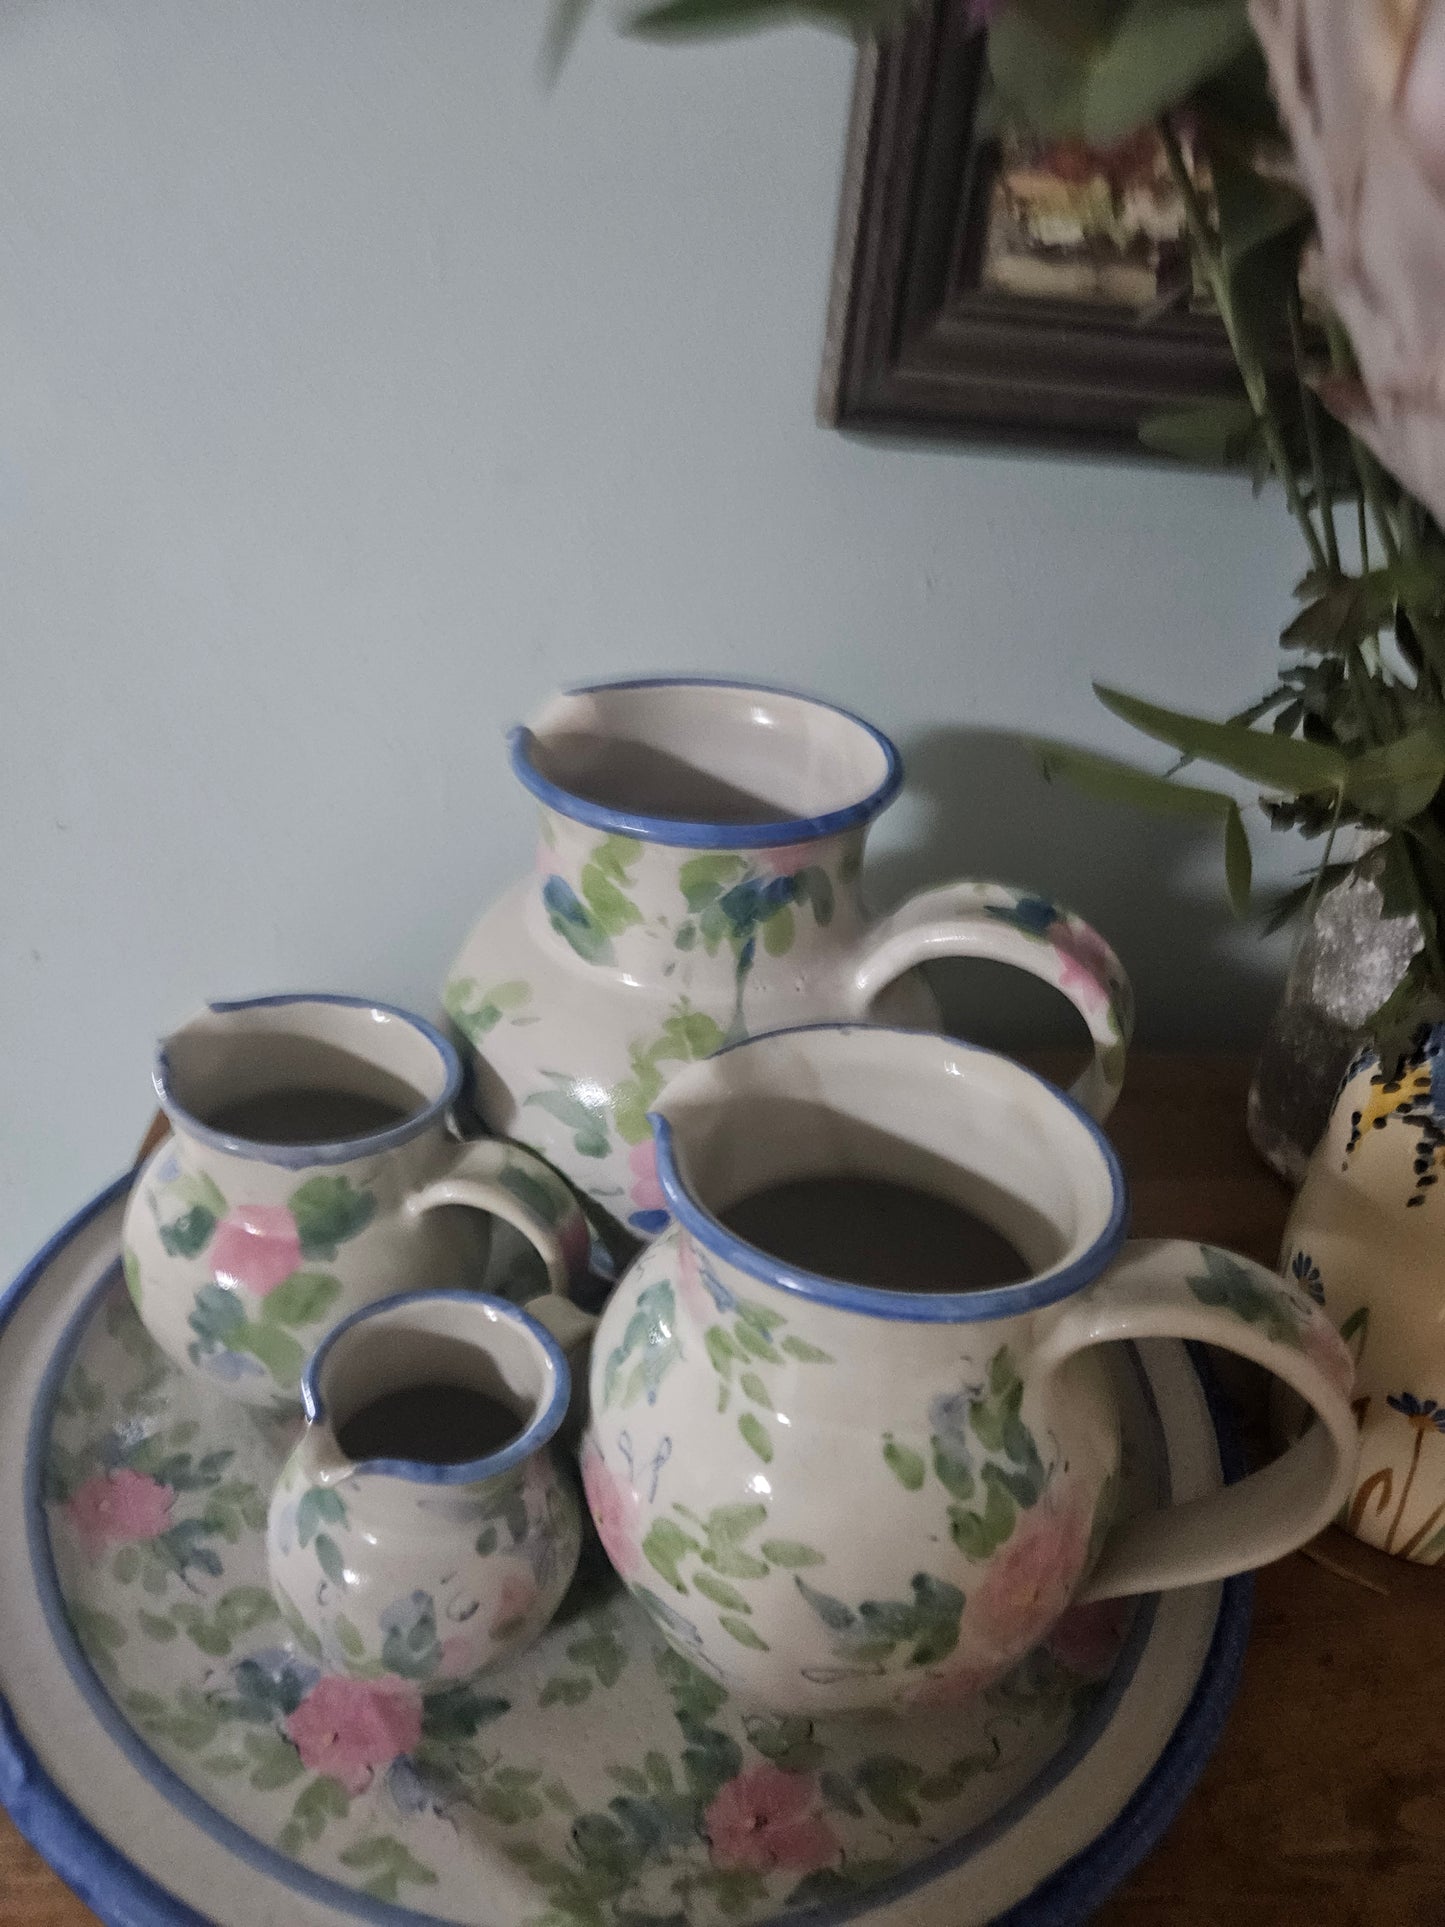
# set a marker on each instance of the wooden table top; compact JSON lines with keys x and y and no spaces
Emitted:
{"x":1324,"y":1804}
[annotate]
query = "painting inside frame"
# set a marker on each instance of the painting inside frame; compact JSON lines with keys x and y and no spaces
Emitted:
{"x":992,"y":284}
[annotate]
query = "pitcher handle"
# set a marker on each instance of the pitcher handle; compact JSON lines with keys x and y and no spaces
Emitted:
{"x":507,"y":1181}
{"x":1169,"y":1288}
{"x":992,"y":921}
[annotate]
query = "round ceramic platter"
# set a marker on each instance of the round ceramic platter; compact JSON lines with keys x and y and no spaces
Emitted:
{"x":175,"y":1755}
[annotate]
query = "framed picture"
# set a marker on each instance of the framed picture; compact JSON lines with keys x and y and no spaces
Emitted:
{"x":988,"y":284}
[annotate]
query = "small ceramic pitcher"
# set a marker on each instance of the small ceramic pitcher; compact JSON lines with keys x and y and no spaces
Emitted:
{"x":428,"y":1572}
{"x":240,"y":1255}
{"x":1366,"y":1240}
{"x":698,"y":881}
{"x":838,"y":1497}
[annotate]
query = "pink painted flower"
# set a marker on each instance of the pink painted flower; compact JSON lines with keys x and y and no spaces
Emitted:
{"x":789,"y":858}
{"x":256,"y":1248}
{"x":118,"y":1508}
{"x":764,"y":1818}
{"x":347,"y":1728}
{"x":614,"y":1510}
{"x":646,"y":1193}
{"x":1087,"y":1638}
{"x":1028,"y":1584}
{"x":517,"y":1598}
{"x":1085,"y":960}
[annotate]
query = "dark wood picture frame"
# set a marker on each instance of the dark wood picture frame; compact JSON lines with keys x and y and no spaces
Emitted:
{"x":914,"y":343}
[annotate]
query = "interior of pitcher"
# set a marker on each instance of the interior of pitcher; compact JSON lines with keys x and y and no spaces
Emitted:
{"x":679,"y":751}
{"x":313,"y":1073}
{"x":422,"y":1346}
{"x":883,"y":1110}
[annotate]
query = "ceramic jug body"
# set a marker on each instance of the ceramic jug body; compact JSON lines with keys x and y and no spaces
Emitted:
{"x":240,"y":1255}
{"x":412,"y":1569}
{"x":697,"y":882}
{"x":839,"y":1497}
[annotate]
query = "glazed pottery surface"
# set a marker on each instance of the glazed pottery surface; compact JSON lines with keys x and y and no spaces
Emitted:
{"x":241,"y":1256}
{"x":216,"y":1771}
{"x":400,"y":1570}
{"x":1366,"y":1240}
{"x":837,"y":1498}
{"x":698,"y":881}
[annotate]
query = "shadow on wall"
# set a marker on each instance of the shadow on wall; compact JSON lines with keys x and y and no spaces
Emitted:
{"x":1153,"y":886}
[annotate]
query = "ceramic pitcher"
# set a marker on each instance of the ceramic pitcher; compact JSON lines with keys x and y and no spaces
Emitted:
{"x":696,"y":882}
{"x":241,"y":1255}
{"x":1366,"y":1240}
{"x":412,"y":1569}
{"x":836,"y":1497}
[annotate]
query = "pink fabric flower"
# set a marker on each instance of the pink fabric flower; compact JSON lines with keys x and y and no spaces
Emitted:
{"x":614,"y":1510}
{"x":347,"y":1728}
{"x":1087,"y":1638}
{"x":1085,"y":962}
{"x":1029,"y":1582}
{"x":516,"y":1599}
{"x":646,"y":1192}
{"x":765,"y":1818}
{"x":256,"y":1248}
{"x":789,"y":858}
{"x":118,"y":1508}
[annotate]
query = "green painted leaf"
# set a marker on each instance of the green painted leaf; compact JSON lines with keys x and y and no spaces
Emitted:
{"x":755,"y":1389}
{"x":720,"y":1592}
{"x":951,"y":1466}
{"x":349,"y":1637}
{"x":304,"y":1299}
{"x":665,"y":1544}
{"x":613,"y":911}
{"x":790,"y":1552}
{"x":277,"y":1350}
{"x":817,"y":887}
{"x":126,"y":1564}
{"x":274,"y":1761}
{"x":588,"y":1127}
{"x":328,"y":1555}
{"x":318,"y":1505}
{"x":891,"y":1784}
{"x":130,"y":1265}
{"x":832,"y":1612}
{"x":324,"y":1799}
{"x":721,"y":1350}
{"x":905,"y":1465}
{"x":328,"y":1211}
{"x":742,"y":1632}
{"x":189,"y":1234}
{"x":702,"y":879}
{"x":805,"y":1353}
{"x":155,"y":1627}
{"x":752,"y":1340}
{"x":756,"y":1436}
{"x":615,"y":855}
{"x":778,"y":932}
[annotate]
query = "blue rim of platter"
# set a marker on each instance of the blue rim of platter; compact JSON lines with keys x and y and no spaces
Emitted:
{"x":121,"y":1894}
{"x":701,"y":835}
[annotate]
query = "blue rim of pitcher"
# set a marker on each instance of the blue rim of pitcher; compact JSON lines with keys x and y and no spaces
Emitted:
{"x":123,"y":1894}
{"x":537,"y":1431}
{"x":700,"y":835}
{"x":920,"y":1308}
{"x":297,"y":1157}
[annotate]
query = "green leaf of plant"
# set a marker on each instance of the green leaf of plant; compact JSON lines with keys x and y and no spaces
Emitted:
{"x":756,"y":1435}
{"x":1115,"y":782}
{"x":1398,"y":780}
{"x":1238,"y":864}
{"x":1276,"y":762}
{"x":1205,"y":431}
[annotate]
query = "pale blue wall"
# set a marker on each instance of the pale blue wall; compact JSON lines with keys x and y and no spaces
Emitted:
{"x":353,"y":393}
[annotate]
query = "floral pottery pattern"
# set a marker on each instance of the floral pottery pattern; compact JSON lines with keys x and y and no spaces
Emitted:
{"x":599,"y":1779}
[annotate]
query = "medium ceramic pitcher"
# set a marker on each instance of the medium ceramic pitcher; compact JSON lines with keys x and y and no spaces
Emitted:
{"x":838,"y":1497}
{"x":241,"y":1255}
{"x":423,"y":1571}
{"x":697,"y":882}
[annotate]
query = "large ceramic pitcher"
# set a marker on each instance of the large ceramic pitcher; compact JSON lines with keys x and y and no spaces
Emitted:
{"x":697,"y":882}
{"x":838,"y":1497}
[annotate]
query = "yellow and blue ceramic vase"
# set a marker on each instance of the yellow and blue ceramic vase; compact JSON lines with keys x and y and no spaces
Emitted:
{"x":1366,"y":1239}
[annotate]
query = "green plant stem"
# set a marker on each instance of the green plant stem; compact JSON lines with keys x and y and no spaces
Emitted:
{"x":1310,"y":408}
{"x":1256,"y":387}
{"x":1366,"y":468}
